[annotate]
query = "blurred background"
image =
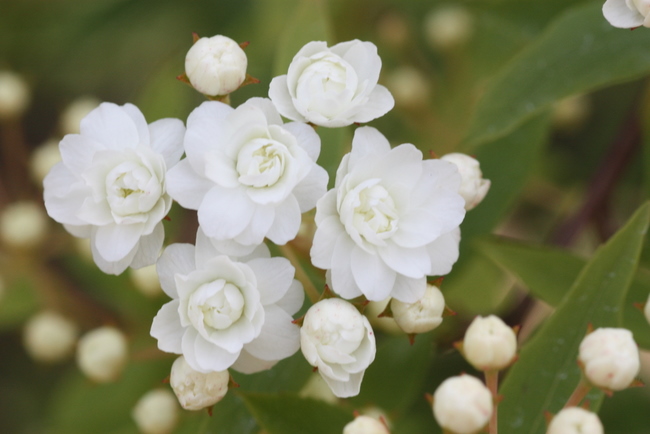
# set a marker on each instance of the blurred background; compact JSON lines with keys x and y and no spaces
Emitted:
{"x":578,"y":177}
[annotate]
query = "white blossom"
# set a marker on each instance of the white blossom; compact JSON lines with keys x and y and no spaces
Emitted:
{"x":391,"y":220}
{"x":249,"y":175}
{"x":489,"y":344}
{"x":227,"y":312}
{"x":575,"y":420}
{"x":49,"y":337}
{"x":102,"y":354}
{"x":473,"y":187}
{"x":14,"y":95}
{"x":365,"y":425}
{"x":196,"y":390}
{"x":332,"y":87}
{"x":422,"y":316}
{"x":610,"y":358}
{"x":156,"y":412}
{"x":216,"y":66}
{"x":462,"y":404}
{"x":338,"y":340}
{"x":627,"y":13}
{"x":110,"y":186}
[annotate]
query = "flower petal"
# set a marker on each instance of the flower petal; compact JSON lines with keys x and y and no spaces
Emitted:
{"x":110,"y":125}
{"x":139,"y":121}
{"x":343,"y":282}
{"x":619,"y":15}
{"x":412,"y":262}
{"x":380,"y":102}
{"x":167,"y":329}
{"x":345,"y":389}
{"x":208,"y":357}
{"x":279,"y":94}
{"x":286,"y":223}
{"x":114,"y":242}
{"x":187,"y":187}
{"x":367,"y":142}
{"x":225,"y":213}
{"x":409,"y":290}
{"x":274,"y":276}
{"x":443,"y":252}
{"x":205,"y":131}
{"x":167,"y":139}
{"x":372,"y":275}
{"x":111,"y":267}
{"x":149,"y":247}
{"x":309,"y":191}
{"x":176,"y":259}
{"x":306,"y":137}
{"x":248,"y":364}
{"x":279,"y":338}
{"x":293,"y":299}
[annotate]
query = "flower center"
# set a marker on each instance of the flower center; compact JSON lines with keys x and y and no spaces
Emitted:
{"x":261,"y":162}
{"x":217,"y":304}
{"x":131,"y":188}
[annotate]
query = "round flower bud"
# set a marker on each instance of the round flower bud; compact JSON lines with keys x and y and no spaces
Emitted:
{"x":216,"y":65}
{"x":14,"y":95}
{"x":575,"y":420}
{"x":422,"y":316}
{"x":43,"y":159}
{"x":146,"y":280}
{"x":22,"y":224}
{"x":78,"y":109}
{"x":448,"y":27}
{"x":102,"y":354}
{"x":365,"y":425}
{"x":610,"y":358}
{"x":409,"y":87}
{"x":473,"y":187}
{"x":462,"y":404}
{"x":489,"y":344}
{"x":156,"y":412}
{"x":384,"y":323}
{"x":196,"y":390}
{"x":49,"y":337}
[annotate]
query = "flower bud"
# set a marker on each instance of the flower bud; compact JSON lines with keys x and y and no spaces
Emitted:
{"x":422,"y":316}
{"x":49,"y":337}
{"x":194,"y":389}
{"x":462,"y":404}
{"x":365,"y":425}
{"x":102,"y":354}
{"x":575,"y":420}
{"x":316,"y":388}
{"x":14,"y":95}
{"x":216,"y":65}
{"x":22,"y":224}
{"x":384,"y":323}
{"x":43,"y":159}
{"x":473,"y":187}
{"x":448,"y":27}
{"x":409,"y":87}
{"x":610,"y":358}
{"x":156,"y":412}
{"x":146,"y":280}
{"x":489,"y":344}
{"x":75,"y":112}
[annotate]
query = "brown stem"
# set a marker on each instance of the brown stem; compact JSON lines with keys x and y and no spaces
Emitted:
{"x":578,"y":394}
{"x":492,"y":382}
{"x":15,"y":158}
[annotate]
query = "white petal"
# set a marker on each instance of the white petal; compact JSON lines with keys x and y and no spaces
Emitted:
{"x":207,"y":356}
{"x":274,"y":276}
{"x":205,"y":131}
{"x":619,"y":15}
{"x":248,"y":364}
{"x":79,"y":231}
{"x":111,"y":126}
{"x":367,"y":142}
{"x":306,"y":137}
{"x":167,"y":139}
{"x":309,"y":191}
{"x":372,"y":275}
{"x":187,"y":187}
{"x":64,"y":195}
{"x":139,"y":121}
{"x":343,"y":282}
{"x":225,"y":213}
{"x":77,"y":152}
{"x":412,"y":262}
{"x":286,"y":223}
{"x":279,"y":338}
{"x":443,"y":252}
{"x":267,"y":107}
{"x":256,"y":230}
{"x":279,"y":94}
{"x":409,"y":290}
{"x":379,"y":103}
{"x":149,"y":248}
{"x":293,"y":299}
{"x":175,"y":259}
{"x":167,"y":329}
{"x":114,"y":242}
{"x":345,"y":389}
{"x":111,"y":267}
{"x":400,"y":169}
{"x":364,"y":59}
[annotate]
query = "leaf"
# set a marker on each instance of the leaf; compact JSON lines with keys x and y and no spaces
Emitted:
{"x":289,"y":375}
{"x":579,"y":52}
{"x":286,"y":413}
{"x":19,"y":301}
{"x":546,"y":372}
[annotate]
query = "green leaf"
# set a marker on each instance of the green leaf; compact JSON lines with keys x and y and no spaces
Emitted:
{"x":19,"y":301}
{"x":286,"y":413}
{"x":289,"y":375}
{"x":546,"y":373}
{"x":229,"y":416}
{"x":579,"y":52}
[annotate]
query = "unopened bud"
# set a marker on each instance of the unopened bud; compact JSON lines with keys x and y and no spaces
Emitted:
{"x":146,"y":280}
{"x":422,"y":316}
{"x":49,"y":337}
{"x":23,"y":224}
{"x":473,"y":187}
{"x":216,"y":65}
{"x":489,"y":344}
{"x":575,"y":420}
{"x":102,"y":354}
{"x":448,"y":27}
{"x":75,"y":112}
{"x":409,"y":87}
{"x":462,"y":404}
{"x":194,"y":389}
{"x":316,"y":388}
{"x":365,"y":425}
{"x":156,"y":412}
{"x":384,"y":323}
{"x":43,"y":159}
{"x":610,"y":358}
{"x":14,"y":95}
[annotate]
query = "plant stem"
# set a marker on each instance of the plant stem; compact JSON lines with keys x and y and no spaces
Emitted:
{"x":578,"y":394}
{"x":492,"y":382}
{"x":301,"y":275}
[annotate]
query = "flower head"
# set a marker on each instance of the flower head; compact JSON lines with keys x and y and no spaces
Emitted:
{"x":339,"y":341}
{"x":196,"y":390}
{"x":627,"y":13}
{"x":489,"y":344}
{"x":575,"y":420}
{"x":391,"y":220}
{"x":110,"y":186}
{"x":462,"y":404}
{"x":102,"y":354}
{"x":14,"y":95}
{"x":156,"y":412}
{"x":49,"y":336}
{"x":216,"y":66}
{"x":422,"y":316}
{"x":473,"y":187}
{"x":332,"y":87}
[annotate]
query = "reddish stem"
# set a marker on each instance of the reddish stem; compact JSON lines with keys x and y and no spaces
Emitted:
{"x":492,"y":382}
{"x":578,"y":394}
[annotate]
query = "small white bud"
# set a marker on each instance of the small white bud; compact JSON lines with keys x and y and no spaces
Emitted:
{"x":146,"y":280}
{"x":75,"y":112}
{"x":316,"y":388}
{"x":423,"y":315}
{"x":216,"y":65}
{"x":489,"y":344}
{"x":462,"y":404}
{"x":610,"y":358}
{"x":365,"y":425}
{"x":43,"y":159}
{"x":194,"y":389}
{"x":384,"y":323}
{"x":23,"y":224}
{"x":473,"y":187}
{"x":448,"y":27}
{"x":102,"y":354}
{"x":575,"y":420}
{"x":49,"y":337}
{"x":156,"y":412}
{"x":409,"y":87}
{"x":14,"y":95}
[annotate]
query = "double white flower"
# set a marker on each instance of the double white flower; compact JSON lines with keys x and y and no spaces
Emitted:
{"x":110,"y":186}
{"x":391,"y":220}
{"x":627,"y":13}
{"x":249,"y":175}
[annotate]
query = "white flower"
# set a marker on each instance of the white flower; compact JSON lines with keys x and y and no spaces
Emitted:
{"x":422,"y":316}
{"x":102,"y":354}
{"x":196,"y":390}
{"x":627,"y":14}
{"x":43,"y":159}
{"x":23,"y":224}
{"x":575,"y":420}
{"x":489,"y":344}
{"x":49,"y":337}
{"x":110,"y":186}
{"x":249,"y":175}
{"x":339,"y":341}
{"x":156,"y":412}
{"x":391,"y":220}
{"x":365,"y":425}
{"x":462,"y":404}
{"x":227,"y":313}
{"x":14,"y":95}
{"x":332,"y":87}
{"x":216,"y":66}
{"x":473,"y":187}
{"x":610,"y":358}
